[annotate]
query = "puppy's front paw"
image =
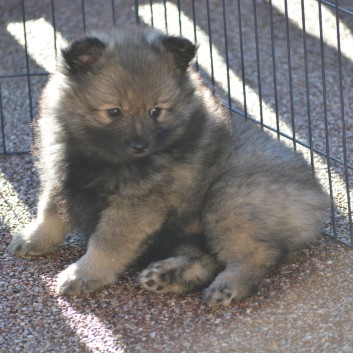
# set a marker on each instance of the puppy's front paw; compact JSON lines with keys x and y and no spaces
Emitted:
{"x":77,"y":280}
{"x":29,"y":243}
{"x":21,"y":245}
{"x":37,"y":238}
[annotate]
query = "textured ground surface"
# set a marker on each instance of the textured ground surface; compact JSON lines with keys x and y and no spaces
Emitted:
{"x":304,"y":306}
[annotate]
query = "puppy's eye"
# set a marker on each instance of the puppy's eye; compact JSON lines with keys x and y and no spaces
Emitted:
{"x":155,"y":112}
{"x":114,"y":113}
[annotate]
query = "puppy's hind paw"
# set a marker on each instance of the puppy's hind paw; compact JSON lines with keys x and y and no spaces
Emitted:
{"x":174,"y":275}
{"x":151,"y":279}
{"x":217,"y":296}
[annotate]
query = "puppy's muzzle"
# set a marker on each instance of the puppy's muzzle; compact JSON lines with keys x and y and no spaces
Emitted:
{"x":138,"y":146}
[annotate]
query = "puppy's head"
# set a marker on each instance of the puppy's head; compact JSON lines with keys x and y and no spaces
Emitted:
{"x":127,"y":93}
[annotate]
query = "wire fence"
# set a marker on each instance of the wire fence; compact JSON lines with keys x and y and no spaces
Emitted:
{"x":285,"y":65}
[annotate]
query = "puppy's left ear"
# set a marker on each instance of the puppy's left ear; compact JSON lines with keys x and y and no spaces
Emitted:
{"x":182,"y":49}
{"x":82,"y":54}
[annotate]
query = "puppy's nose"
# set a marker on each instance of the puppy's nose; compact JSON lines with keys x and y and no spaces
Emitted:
{"x":138,"y":146}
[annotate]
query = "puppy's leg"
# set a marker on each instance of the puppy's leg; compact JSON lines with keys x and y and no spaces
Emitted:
{"x":118,"y":240}
{"x":240,"y":279}
{"x":44,"y":234}
{"x":247,"y":262}
{"x":247,"y":239}
{"x":179,"y":274}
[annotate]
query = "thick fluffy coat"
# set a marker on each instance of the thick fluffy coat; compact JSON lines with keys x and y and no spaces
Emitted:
{"x":137,"y":153}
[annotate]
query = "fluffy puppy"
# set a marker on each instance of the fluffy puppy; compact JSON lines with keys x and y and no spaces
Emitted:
{"x":137,"y":153}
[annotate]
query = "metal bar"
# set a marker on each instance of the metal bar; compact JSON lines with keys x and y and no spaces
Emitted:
{"x":242,"y":58}
{"x":83,"y":15}
{"x":113,"y":12}
{"x":2,"y":120}
{"x":151,"y":10}
{"x":339,"y":240}
{"x":31,"y":74}
{"x":324,"y":95}
{"x":137,"y":16}
{"x":27,"y":61}
{"x":274,"y":68}
{"x":195,"y":31}
{"x":209,"y":29}
{"x":290,"y":74}
{"x":343,"y":120}
{"x":226,"y":53}
{"x":54,"y":26}
{"x":342,"y":9}
{"x":17,"y":153}
{"x":179,"y":17}
{"x":165,"y":15}
{"x":307,"y":87}
{"x":258,"y":63}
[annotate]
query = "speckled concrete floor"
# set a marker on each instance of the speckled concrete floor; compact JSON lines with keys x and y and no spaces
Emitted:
{"x":304,"y":306}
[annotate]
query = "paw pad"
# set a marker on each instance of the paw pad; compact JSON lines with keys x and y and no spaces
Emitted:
{"x":150,"y":279}
{"x":219,"y":295}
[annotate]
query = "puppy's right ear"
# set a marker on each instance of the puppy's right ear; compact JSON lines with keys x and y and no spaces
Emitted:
{"x":81,"y":55}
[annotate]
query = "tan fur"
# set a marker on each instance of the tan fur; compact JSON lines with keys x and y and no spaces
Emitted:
{"x":42,"y":236}
{"x":179,"y":274}
{"x":208,"y":199}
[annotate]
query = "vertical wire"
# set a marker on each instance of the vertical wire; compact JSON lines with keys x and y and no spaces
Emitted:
{"x":137,"y":16}
{"x":290,"y":76}
{"x":113,"y":12}
{"x":324,"y":96}
{"x":27,"y":61}
{"x":209,"y":29}
{"x":179,"y":17}
{"x":307,"y":88}
{"x":151,"y":9}
{"x":83,"y":15}
{"x":165,"y":15}
{"x":226,"y":53}
{"x":242,"y":59}
{"x":54,"y":26}
{"x":2,"y":120}
{"x":258,"y":65}
{"x":345,"y":160}
{"x":274,"y":69}
{"x":195,"y":31}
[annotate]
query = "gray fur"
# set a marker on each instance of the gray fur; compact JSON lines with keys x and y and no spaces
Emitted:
{"x":217,"y":202}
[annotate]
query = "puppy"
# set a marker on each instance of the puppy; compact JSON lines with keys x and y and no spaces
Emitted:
{"x":137,"y":153}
